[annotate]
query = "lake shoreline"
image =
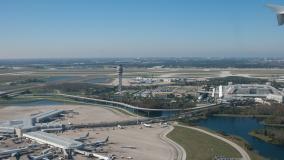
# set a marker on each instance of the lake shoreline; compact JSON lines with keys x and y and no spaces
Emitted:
{"x":240,"y":115}
{"x":241,"y":126}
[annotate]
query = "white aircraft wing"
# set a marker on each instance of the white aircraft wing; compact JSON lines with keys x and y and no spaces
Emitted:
{"x":279,"y":11}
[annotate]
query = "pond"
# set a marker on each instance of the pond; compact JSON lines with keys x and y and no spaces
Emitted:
{"x":241,"y":126}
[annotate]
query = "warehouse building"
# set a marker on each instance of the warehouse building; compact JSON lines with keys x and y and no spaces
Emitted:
{"x":42,"y":117}
{"x":28,"y":124}
{"x":264,"y":91}
{"x":10,"y":126}
{"x":53,"y":140}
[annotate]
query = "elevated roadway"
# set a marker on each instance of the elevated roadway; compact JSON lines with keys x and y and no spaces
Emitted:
{"x":124,"y":105}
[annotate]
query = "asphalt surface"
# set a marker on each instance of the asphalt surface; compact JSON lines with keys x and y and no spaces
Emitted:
{"x":180,"y":153}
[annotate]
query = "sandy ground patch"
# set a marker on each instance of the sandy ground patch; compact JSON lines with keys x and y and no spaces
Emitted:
{"x":146,"y":140}
{"x":87,"y":113}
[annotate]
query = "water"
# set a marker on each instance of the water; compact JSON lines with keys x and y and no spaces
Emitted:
{"x":98,"y":80}
{"x":54,"y":79}
{"x":240,"y":126}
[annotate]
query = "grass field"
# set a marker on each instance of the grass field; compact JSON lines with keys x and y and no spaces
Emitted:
{"x":260,"y":136}
{"x":245,"y":145}
{"x":201,"y":146}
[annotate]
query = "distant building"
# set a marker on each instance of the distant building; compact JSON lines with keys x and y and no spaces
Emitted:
{"x":167,"y":80}
{"x":28,"y":124}
{"x":220,"y":91}
{"x":213,"y":92}
{"x":238,"y":91}
{"x":119,"y":74}
{"x":274,"y":97}
{"x":53,"y":140}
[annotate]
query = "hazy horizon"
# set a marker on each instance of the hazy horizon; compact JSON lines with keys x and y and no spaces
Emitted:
{"x":164,"y":28}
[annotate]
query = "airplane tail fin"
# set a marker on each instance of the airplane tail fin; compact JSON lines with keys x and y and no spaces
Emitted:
{"x":107,"y":139}
{"x":30,"y":157}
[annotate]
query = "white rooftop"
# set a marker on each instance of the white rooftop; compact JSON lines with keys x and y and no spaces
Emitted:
{"x":53,"y":140}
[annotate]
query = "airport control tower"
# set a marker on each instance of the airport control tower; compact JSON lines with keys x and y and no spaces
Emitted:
{"x":119,"y":74}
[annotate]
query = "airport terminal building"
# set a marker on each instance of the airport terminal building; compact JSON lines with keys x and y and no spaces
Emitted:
{"x":239,"y":91}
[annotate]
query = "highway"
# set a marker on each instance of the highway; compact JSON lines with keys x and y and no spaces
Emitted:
{"x":107,"y":102}
{"x":244,"y":154}
{"x":180,"y":152}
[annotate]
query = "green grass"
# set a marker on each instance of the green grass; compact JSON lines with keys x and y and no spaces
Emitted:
{"x":260,"y":136}
{"x":245,"y":145}
{"x":265,"y":138}
{"x":201,"y":146}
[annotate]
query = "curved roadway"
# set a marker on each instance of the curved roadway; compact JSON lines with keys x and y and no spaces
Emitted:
{"x":180,"y":152}
{"x":244,"y":154}
{"x":108,"y":102}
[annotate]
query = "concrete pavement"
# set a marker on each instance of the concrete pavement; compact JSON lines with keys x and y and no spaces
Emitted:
{"x":180,"y":152}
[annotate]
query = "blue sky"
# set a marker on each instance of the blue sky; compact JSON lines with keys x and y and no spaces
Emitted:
{"x":139,"y":28}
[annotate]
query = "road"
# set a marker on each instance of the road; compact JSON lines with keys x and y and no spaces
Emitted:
{"x":180,"y":152}
{"x":124,"y":105}
{"x":244,"y":154}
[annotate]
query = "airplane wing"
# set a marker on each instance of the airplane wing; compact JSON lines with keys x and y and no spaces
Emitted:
{"x":276,"y":8}
{"x":279,"y":11}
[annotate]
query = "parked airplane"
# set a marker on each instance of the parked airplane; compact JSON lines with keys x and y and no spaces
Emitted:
{"x":46,"y":151}
{"x":41,"y":157}
{"x":12,"y":152}
{"x":83,"y":138}
{"x":279,"y":11}
{"x":120,"y":127}
{"x":130,"y":147}
{"x":164,"y":125}
{"x":93,"y":149}
{"x":48,"y":130}
{"x":99,"y":142}
{"x":147,"y":125}
{"x":4,"y":136}
{"x":89,"y":154}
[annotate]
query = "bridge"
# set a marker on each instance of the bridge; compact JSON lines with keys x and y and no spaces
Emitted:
{"x":132,"y":108}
